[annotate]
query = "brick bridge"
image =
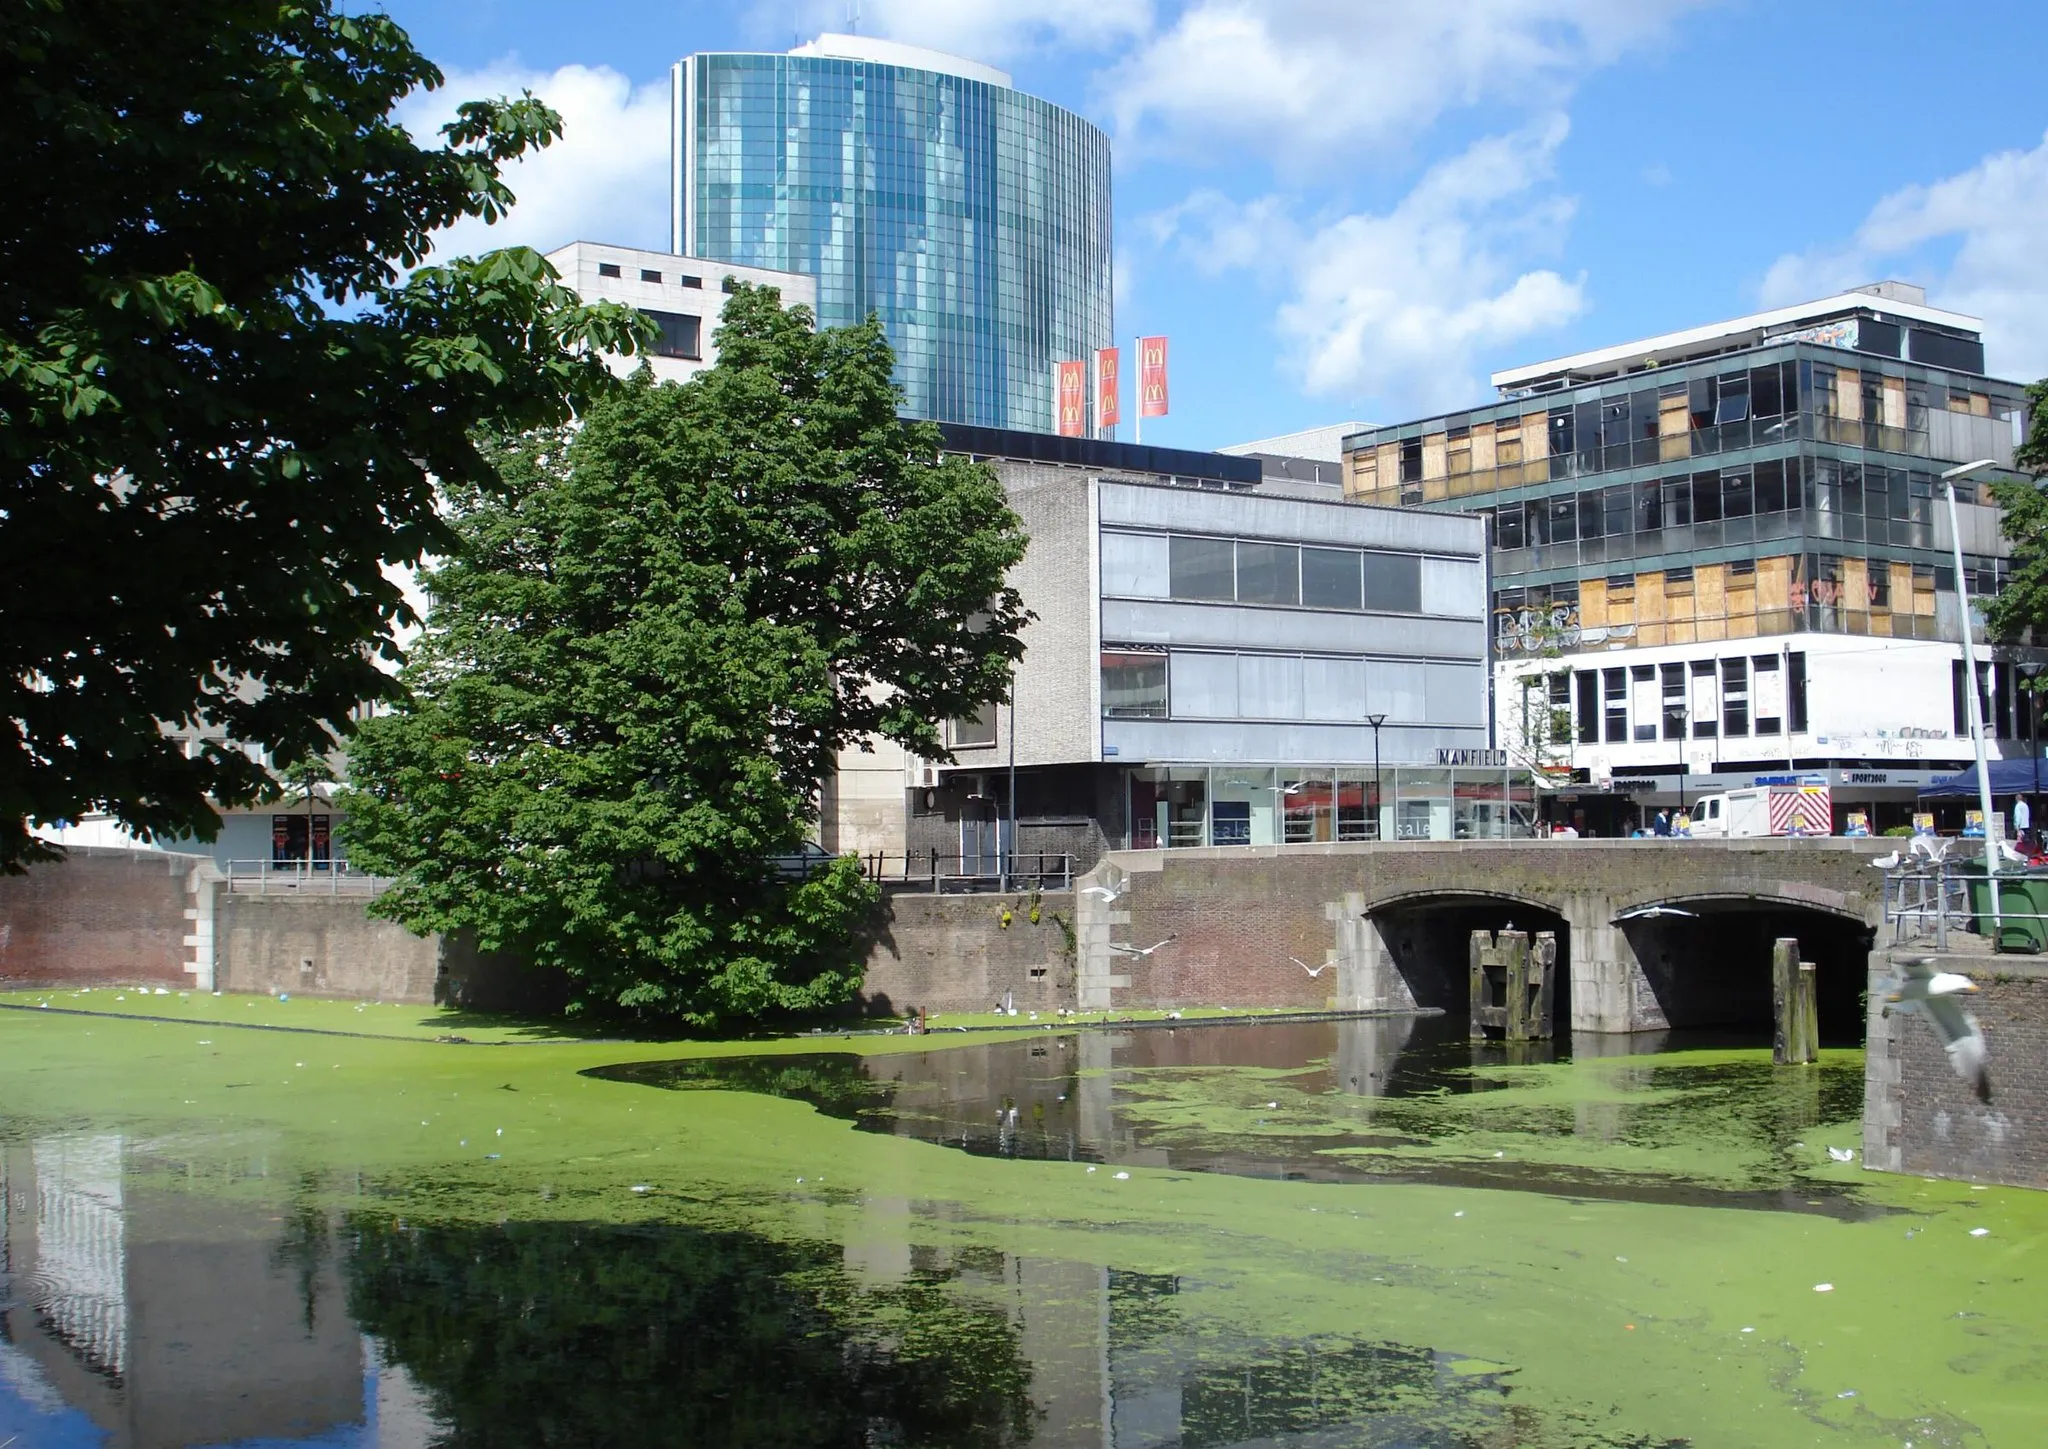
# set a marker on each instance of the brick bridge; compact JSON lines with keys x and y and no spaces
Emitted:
{"x":1365,"y":926}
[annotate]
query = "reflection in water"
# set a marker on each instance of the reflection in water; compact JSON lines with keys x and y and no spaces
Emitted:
{"x":1390,"y":1098}
{"x":132,"y":1315}
{"x":136,"y":1316}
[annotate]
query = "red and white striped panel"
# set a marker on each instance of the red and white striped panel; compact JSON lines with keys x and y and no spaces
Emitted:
{"x":1810,"y":807}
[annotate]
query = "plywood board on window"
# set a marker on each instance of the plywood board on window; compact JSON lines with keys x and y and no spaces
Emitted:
{"x":1855,"y":584}
{"x":1710,"y":591}
{"x":1894,"y":402}
{"x":1535,"y":436}
{"x":1674,"y":426}
{"x":1681,"y":631}
{"x":1980,"y":405}
{"x":1593,"y":603}
{"x":1433,"y":456}
{"x":1485,"y":456}
{"x":1902,"y":587}
{"x":1848,"y":393}
{"x":1774,"y":583}
{"x":1388,"y":461}
{"x":1650,"y":603}
{"x":1741,"y":626}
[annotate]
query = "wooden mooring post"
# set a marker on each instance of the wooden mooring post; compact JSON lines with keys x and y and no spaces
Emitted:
{"x":1795,"y":1032}
{"x":1513,"y":979}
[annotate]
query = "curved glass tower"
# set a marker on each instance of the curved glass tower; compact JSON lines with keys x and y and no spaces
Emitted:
{"x":974,"y":219}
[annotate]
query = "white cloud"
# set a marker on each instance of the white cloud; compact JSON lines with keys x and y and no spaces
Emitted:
{"x":992,"y":31}
{"x":605,"y":179}
{"x":1394,"y":306}
{"x":1300,"y":80}
{"x":1992,"y":217}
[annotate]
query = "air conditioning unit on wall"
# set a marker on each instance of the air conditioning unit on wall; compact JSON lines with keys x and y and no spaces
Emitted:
{"x":924,"y":777}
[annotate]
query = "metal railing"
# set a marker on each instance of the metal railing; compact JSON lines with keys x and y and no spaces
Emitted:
{"x":1023,"y":871}
{"x":1930,"y":898}
{"x":301,"y":877}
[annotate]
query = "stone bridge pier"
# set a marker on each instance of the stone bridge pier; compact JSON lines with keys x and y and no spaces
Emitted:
{"x":1651,"y":934}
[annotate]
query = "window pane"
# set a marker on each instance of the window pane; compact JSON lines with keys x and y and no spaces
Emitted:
{"x":1330,"y":578}
{"x":1134,"y":565}
{"x":1334,"y":689}
{"x":1268,"y":573}
{"x":979,"y":730}
{"x":1202,"y":568}
{"x":1204,"y":686}
{"x":1269,"y":686}
{"x":1393,"y":582}
{"x":1133,"y":686}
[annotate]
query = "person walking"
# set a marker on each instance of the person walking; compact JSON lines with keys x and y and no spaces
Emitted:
{"x":1662,"y":827}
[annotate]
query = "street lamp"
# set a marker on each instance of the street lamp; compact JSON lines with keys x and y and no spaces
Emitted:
{"x":1955,"y":539}
{"x":1376,"y":720}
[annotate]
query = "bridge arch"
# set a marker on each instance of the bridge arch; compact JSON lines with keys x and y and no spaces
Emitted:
{"x":1424,"y":933}
{"x":1706,"y":955}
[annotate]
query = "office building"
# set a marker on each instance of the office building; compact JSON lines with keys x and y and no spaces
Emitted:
{"x":1212,"y":646}
{"x":684,"y":298}
{"x":973,"y":219}
{"x":1723,"y":554}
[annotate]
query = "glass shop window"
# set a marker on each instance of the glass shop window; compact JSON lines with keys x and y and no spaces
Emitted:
{"x":1732,"y":403}
{"x":1737,"y":493}
{"x":1393,"y":582}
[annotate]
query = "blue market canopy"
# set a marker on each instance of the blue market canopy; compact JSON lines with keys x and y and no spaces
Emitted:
{"x":2008,"y":777}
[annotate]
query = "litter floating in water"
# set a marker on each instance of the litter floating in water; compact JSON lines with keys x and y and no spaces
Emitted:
{"x":641,"y":1187}
{"x":1271,"y":1105}
{"x":1980,"y":1232}
{"x":1122,"y":1176}
{"x":1091,"y":1169}
{"x":491,"y":1156}
{"x":1846,"y":1394}
{"x":1823,"y":1287}
{"x":1749,"y":1330}
{"x":1620,"y":1259}
{"x":1842,"y":1154}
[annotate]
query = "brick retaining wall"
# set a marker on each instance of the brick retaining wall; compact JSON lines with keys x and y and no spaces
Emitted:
{"x":1920,"y":1117}
{"x":112,"y":917}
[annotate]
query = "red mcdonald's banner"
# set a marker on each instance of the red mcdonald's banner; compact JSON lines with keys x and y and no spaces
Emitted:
{"x":1151,"y":377}
{"x":1108,"y":387}
{"x":1070,"y":398}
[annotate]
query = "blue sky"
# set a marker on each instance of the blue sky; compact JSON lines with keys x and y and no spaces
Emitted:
{"x":1358,"y":208}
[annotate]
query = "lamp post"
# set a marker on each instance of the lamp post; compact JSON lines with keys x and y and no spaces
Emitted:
{"x":1976,"y":716}
{"x":1376,"y":720}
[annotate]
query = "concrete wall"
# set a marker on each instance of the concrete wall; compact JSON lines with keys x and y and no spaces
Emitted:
{"x":1920,"y":1117}
{"x":952,"y":953}
{"x":316,"y":945}
{"x":107,"y":916}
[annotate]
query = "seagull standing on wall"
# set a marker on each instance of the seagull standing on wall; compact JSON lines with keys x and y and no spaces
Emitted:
{"x":1937,"y":996}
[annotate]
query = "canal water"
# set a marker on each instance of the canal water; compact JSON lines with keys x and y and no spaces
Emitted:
{"x":1367,"y":1232}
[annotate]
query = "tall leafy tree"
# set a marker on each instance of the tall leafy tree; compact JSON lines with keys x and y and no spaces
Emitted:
{"x":646,"y":654}
{"x":2021,"y":608}
{"x":224,"y":396}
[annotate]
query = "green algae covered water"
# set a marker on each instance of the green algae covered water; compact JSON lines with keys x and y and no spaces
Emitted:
{"x":250,"y":1222}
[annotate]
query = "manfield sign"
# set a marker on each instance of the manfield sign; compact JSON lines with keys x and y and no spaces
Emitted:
{"x":1474,"y":759}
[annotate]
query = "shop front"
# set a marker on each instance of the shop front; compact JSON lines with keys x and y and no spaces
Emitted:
{"x":1173,"y":806}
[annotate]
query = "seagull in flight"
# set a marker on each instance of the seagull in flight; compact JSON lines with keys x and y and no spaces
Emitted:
{"x":1926,"y":846}
{"x":1125,"y":948}
{"x":1644,"y":912}
{"x":1937,"y":996}
{"x":1312,"y":970}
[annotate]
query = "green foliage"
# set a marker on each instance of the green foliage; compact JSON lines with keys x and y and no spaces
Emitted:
{"x":222,"y":408}
{"x":646,"y":654}
{"x":2021,"y":609}
{"x":545,"y":1333}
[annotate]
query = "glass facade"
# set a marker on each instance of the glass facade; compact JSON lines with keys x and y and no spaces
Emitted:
{"x":1183,"y":805}
{"x":972,"y":219}
{"x":1784,"y":488}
